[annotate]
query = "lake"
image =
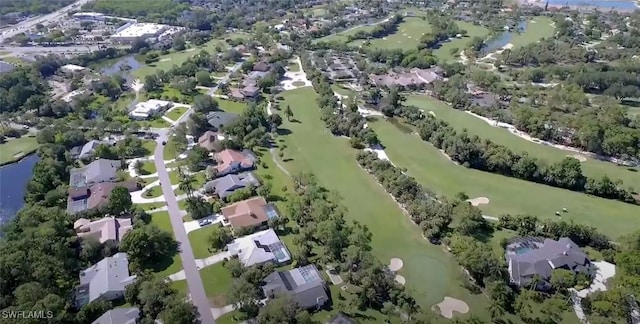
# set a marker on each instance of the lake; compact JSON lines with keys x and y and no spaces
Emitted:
{"x":13,"y":185}
{"x":124,"y":66}
{"x":503,"y":39}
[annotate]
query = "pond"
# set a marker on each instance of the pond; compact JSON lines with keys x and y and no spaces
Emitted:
{"x":13,"y":186}
{"x":124,"y":65}
{"x":503,"y":39}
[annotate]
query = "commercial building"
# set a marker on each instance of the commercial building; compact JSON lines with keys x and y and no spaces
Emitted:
{"x":144,"y":31}
{"x":144,"y":110}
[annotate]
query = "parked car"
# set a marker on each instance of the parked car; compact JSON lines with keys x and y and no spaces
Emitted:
{"x":205,"y":222}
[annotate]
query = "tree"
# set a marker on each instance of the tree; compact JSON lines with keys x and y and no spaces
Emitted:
{"x":275,"y":121}
{"x":198,"y":208}
{"x":495,"y":310}
{"x":90,"y":312}
{"x":282,"y":310}
{"x":179,"y":311}
{"x":197,"y":158}
{"x":204,"y":104}
{"x":220,"y":236}
{"x":288,"y":113}
{"x":147,"y":245}
{"x":243,"y":295}
{"x":186,"y":184}
{"x":562,"y":279}
{"x":179,"y":43}
{"x":203,"y":78}
{"x":119,"y":201}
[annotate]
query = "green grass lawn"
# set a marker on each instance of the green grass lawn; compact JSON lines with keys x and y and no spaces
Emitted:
{"x":15,"y":148}
{"x":200,"y":180}
{"x":150,"y":206}
{"x":343,"y":91}
{"x":200,"y":241}
{"x":176,"y":112}
{"x":181,"y":286}
{"x":430,"y":272}
{"x":507,"y":195}
{"x":293,"y":67}
{"x":406,"y":37}
{"x":150,"y":146}
{"x":13,"y":60}
{"x":229,"y":318}
{"x":217,"y":282}
{"x":342,"y":36}
{"x":148,"y":167}
{"x":444,"y":52}
{"x":153,"y":192}
{"x":537,"y":28}
{"x":158,"y":123}
{"x":174,"y":177}
{"x":165,"y":62}
{"x":169,"y":153}
{"x":231,"y":106}
{"x":460,"y":120}
{"x":174,"y":264}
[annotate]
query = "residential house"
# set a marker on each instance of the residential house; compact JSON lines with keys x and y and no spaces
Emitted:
{"x":530,"y":257}
{"x":105,"y":229}
{"x":248,"y":213}
{"x":101,"y":170}
{"x":208,"y":140}
{"x":128,"y":315}
{"x":85,"y":198}
{"x":262,"y":67}
{"x":304,"y":285}
{"x":149,"y":108}
{"x":232,"y":161}
{"x":219,"y":119}
{"x":340,"y":318}
{"x":105,"y":280}
{"x":259,"y":248}
{"x":89,"y":149}
{"x":228,"y":184}
{"x":6,"y":67}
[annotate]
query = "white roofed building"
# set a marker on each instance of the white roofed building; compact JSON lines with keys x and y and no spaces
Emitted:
{"x":134,"y":31}
{"x":144,"y":110}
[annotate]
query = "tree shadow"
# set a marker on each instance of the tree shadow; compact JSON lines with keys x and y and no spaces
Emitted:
{"x":274,"y":197}
{"x":632,"y":170}
{"x":287,"y":160}
{"x":293,"y":120}
{"x":283,"y":132}
{"x":166,"y":261}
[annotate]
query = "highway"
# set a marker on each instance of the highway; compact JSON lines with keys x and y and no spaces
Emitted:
{"x":25,"y":25}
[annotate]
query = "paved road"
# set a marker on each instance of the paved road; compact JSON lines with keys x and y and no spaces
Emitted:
{"x":196,"y":289}
{"x":42,"y":50}
{"x":212,"y":91}
{"x":25,"y":25}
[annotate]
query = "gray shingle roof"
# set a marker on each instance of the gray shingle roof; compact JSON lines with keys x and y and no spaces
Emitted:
{"x":119,"y":316}
{"x":109,"y":275}
{"x":219,"y":119}
{"x":228,"y":184}
{"x":94,"y":172}
{"x":533,"y":256}
{"x":89,"y":148}
{"x":304,"y":284}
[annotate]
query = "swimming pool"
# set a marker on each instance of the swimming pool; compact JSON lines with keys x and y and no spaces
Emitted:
{"x":523,"y":250}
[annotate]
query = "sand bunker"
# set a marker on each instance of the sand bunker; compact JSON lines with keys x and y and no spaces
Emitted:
{"x":165,"y":59}
{"x":448,"y":157}
{"x":479,"y":201}
{"x":432,"y":113}
{"x":400,"y":279}
{"x":395,"y":264}
{"x":578,"y":157}
{"x":450,"y":305}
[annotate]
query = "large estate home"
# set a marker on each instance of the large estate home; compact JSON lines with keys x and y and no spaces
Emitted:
{"x":530,"y":257}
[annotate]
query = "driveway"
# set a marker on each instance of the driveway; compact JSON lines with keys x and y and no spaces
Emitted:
{"x":195,"y":224}
{"x":196,"y":289}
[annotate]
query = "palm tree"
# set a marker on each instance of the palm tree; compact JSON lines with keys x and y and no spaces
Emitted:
{"x":288,"y":113}
{"x":186,"y":184}
{"x":535,"y":281}
{"x":495,"y":310}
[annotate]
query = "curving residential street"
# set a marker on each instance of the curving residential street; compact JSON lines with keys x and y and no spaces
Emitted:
{"x":196,"y":289}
